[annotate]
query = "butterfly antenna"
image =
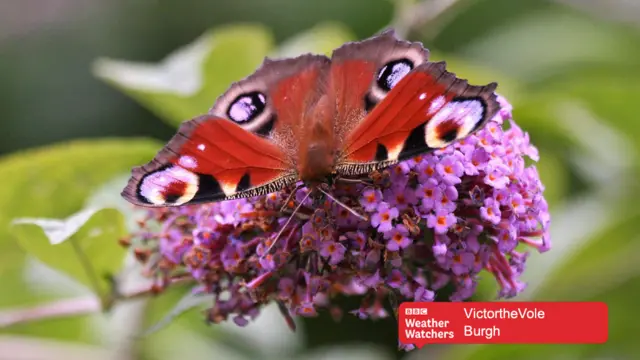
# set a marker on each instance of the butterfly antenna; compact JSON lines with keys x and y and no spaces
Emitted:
{"x":275,"y":240}
{"x":363,"y":180}
{"x":344,"y":205}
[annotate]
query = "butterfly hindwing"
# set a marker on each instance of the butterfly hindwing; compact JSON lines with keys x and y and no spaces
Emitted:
{"x":429,"y":108}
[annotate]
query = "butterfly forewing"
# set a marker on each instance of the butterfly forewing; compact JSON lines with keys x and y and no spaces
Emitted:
{"x":209,"y":159}
{"x":362,"y":74}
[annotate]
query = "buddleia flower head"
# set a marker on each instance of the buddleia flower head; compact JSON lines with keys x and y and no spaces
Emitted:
{"x":434,"y":221}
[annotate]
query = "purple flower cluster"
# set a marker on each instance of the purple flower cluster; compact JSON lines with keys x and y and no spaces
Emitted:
{"x":436,"y":220}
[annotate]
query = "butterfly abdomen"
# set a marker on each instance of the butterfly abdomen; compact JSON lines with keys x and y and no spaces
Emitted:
{"x":317,"y":164}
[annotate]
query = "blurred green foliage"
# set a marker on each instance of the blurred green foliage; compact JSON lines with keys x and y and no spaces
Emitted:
{"x":573,"y":79}
{"x":55,"y":182}
{"x":82,"y":246}
{"x":177,"y":88}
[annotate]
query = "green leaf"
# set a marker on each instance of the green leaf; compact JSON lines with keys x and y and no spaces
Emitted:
{"x":188,"y":302}
{"x":525,"y":51}
{"x":54,"y":182}
{"x":108,"y":196}
{"x":187,"y":82}
{"x":608,"y":258}
{"x":610,"y":94}
{"x":84,"y":246}
{"x":479,"y":74}
{"x":57,"y":231}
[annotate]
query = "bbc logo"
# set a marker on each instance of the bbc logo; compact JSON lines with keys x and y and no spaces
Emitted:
{"x":415,"y":311}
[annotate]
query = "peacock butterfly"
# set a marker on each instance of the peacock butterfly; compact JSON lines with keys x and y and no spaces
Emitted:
{"x":312,"y":118}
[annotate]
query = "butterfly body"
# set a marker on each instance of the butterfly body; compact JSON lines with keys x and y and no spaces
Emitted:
{"x":317,"y":146}
{"x":311,"y":118}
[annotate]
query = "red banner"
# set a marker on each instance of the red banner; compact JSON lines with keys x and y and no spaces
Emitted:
{"x":422,"y":323}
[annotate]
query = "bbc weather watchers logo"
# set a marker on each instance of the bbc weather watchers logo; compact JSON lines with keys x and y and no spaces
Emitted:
{"x":415,"y":311}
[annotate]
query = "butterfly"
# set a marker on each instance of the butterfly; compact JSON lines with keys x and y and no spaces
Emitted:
{"x":312,"y":118}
